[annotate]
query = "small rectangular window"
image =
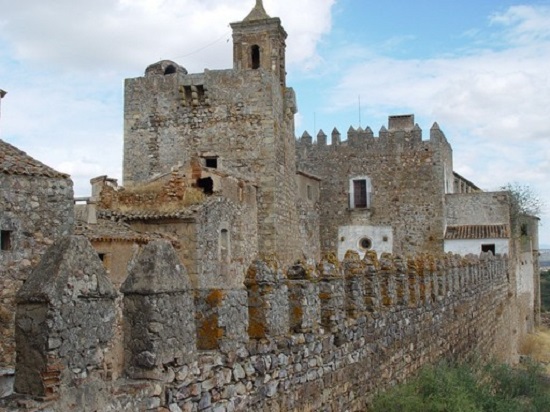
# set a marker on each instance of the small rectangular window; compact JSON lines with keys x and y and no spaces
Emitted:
{"x":309,"y":192}
{"x":211,"y":162}
{"x":5,"y":240}
{"x":488,"y":248}
{"x":360,"y":193}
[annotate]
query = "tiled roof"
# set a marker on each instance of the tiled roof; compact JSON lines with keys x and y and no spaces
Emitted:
{"x":107,"y":230}
{"x":16,"y":162}
{"x":477,"y":232}
{"x":183,"y":214}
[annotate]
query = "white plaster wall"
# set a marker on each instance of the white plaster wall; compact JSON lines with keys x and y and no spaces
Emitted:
{"x":349,"y":237}
{"x":467,"y":246}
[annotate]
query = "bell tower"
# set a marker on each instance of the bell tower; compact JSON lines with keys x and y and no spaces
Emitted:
{"x":259,"y":42}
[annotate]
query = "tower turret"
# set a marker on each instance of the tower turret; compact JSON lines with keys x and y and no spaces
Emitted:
{"x":259,"y":42}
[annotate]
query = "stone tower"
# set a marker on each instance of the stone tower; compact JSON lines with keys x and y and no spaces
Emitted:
{"x":259,"y":41}
{"x":240,"y":121}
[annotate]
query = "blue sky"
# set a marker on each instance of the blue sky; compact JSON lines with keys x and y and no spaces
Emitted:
{"x":481,"y":69}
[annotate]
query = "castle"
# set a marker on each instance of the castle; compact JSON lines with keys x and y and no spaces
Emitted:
{"x":239,"y":267}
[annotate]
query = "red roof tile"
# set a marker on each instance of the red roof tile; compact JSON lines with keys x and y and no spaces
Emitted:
{"x":477,"y":232}
{"x":16,"y":162}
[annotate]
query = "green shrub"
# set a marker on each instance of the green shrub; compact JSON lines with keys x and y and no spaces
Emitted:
{"x":469,"y":388}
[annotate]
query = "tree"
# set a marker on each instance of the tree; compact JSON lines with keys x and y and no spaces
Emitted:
{"x":524,"y":201}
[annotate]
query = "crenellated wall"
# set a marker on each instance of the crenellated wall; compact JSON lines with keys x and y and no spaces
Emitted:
{"x":323,"y":337}
{"x":408,"y":177}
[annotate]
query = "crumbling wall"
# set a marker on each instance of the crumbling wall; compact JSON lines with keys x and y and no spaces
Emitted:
{"x":242,"y":117}
{"x":308,"y":338}
{"x":158,"y":313}
{"x":37,"y":211}
{"x":65,"y":319}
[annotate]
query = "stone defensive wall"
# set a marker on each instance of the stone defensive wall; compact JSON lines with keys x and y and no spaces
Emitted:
{"x":403,"y":135}
{"x":322,"y":338}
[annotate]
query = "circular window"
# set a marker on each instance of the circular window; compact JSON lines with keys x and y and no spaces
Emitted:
{"x":365,"y":243}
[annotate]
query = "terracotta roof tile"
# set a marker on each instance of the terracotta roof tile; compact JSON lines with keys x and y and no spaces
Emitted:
{"x":477,"y":232}
{"x":185,"y":213}
{"x":107,"y":230}
{"x":16,"y":162}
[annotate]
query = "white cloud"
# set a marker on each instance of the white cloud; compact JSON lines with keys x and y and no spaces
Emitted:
{"x":525,"y":24}
{"x":111,"y":35}
{"x":64,"y":61}
{"x":497,"y":95}
{"x":491,"y":101}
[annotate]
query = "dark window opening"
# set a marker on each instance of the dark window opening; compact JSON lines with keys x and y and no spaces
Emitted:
{"x":488,"y":248}
{"x":360,"y":193}
{"x":5,"y":240}
{"x":255,"y":56}
{"x":188,"y":93}
{"x":169,"y":70}
{"x":211,"y":162}
{"x":200,"y":91}
{"x":207,"y":185}
{"x":193,"y":95}
{"x":101,"y":256}
{"x":365,"y":243}
{"x":524,"y":231}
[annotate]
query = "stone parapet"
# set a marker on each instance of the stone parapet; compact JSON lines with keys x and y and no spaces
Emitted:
{"x":307,"y":338}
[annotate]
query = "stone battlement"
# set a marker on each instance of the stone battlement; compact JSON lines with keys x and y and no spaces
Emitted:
{"x":340,"y":329}
{"x":400,"y":132}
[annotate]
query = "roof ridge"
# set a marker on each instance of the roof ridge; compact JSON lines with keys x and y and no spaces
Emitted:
{"x":14,"y":161}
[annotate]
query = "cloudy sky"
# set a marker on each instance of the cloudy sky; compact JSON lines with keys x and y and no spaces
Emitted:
{"x":481,"y":69}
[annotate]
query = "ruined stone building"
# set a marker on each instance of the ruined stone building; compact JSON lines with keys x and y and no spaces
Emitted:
{"x":36,"y":209}
{"x":238,"y":267}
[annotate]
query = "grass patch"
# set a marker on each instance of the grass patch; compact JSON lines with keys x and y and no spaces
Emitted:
{"x":470,"y":388}
{"x":537,"y":347}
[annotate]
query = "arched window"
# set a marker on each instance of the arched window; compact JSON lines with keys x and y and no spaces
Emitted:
{"x":255,"y":57}
{"x":169,"y":70}
{"x":360,"y":192}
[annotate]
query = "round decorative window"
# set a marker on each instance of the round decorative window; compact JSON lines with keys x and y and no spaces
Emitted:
{"x":365,"y":243}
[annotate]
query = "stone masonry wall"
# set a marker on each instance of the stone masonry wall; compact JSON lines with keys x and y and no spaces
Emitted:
{"x":38,"y":211}
{"x":322,"y":338}
{"x":478,"y":208}
{"x":408,"y":178}
{"x":244,"y":117}
{"x":65,"y":319}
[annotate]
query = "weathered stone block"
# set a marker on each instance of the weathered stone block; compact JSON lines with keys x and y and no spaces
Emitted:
{"x":221,"y":319}
{"x":354,"y":272}
{"x":159,"y":312}
{"x":332,"y":295}
{"x":65,"y":318}
{"x":268,"y":307}
{"x":305,"y":305}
